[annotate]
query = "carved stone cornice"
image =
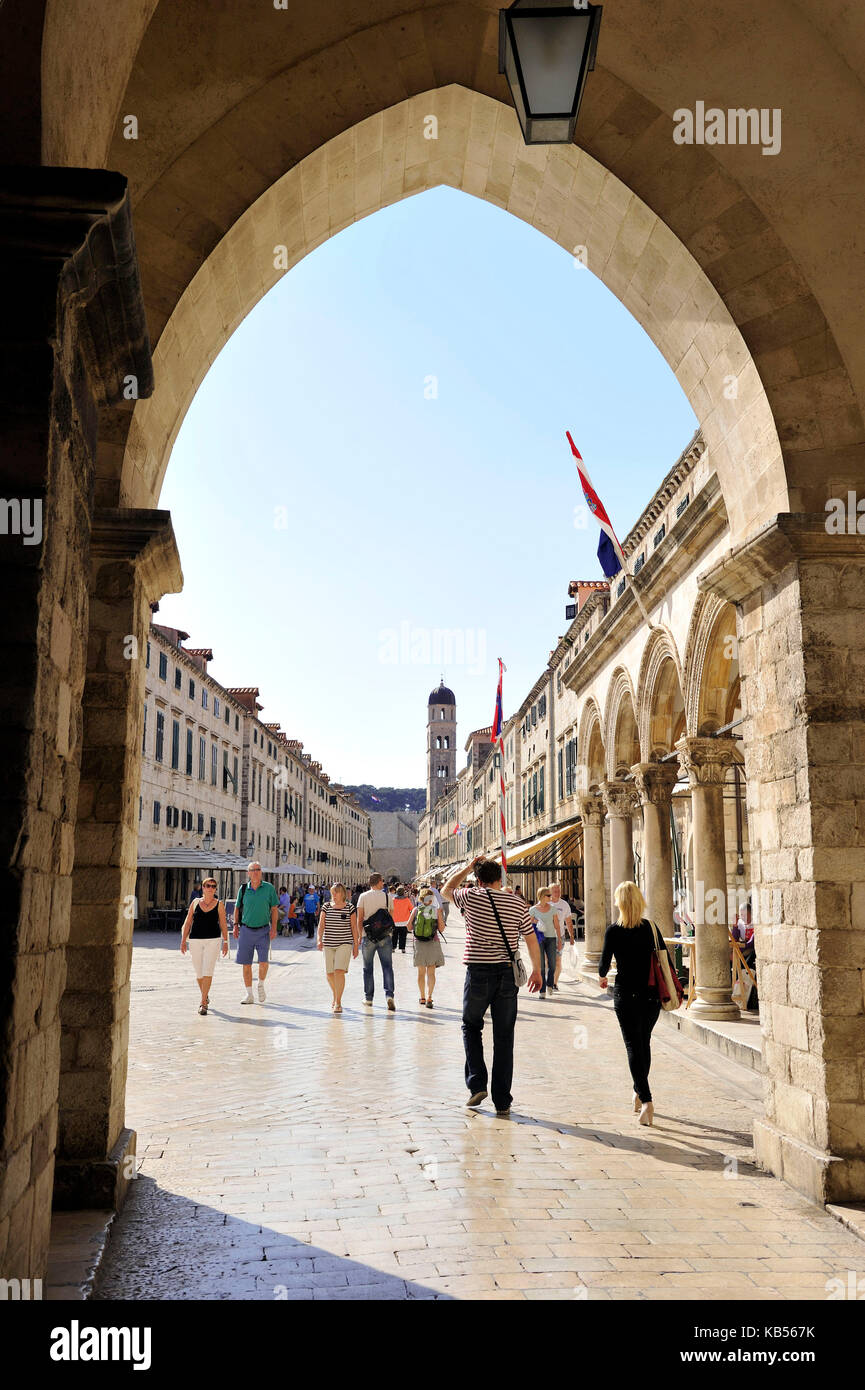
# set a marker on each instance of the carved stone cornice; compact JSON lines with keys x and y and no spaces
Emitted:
{"x":67,"y":244}
{"x":141,"y":537}
{"x":705,"y":761}
{"x":791,"y":536}
{"x":592,"y":811}
{"x":620,"y":799}
{"x":655,"y":782}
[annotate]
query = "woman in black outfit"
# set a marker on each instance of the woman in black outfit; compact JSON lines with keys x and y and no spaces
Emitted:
{"x":631,"y":941}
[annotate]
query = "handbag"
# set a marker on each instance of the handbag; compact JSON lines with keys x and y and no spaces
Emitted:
{"x":520,"y":976}
{"x":662,"y":976}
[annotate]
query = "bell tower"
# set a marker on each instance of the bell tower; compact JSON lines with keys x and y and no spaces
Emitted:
{"x":441,"y":742}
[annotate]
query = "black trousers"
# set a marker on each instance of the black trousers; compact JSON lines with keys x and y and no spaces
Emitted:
{"x":637,"y":1012}
{"x":400,"y":935}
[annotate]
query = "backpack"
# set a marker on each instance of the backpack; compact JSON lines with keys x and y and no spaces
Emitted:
{"x":380,"y":924}
{"x":238,"y":906}
{"x":426,"y":923}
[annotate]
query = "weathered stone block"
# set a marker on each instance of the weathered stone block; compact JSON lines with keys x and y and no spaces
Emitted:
{"x":790,"y":1026}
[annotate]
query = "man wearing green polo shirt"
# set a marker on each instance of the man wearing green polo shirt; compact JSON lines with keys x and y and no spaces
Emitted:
{"x":255,"y":916}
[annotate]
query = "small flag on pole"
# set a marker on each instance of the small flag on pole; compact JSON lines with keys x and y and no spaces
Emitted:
{"x":499,"y":744}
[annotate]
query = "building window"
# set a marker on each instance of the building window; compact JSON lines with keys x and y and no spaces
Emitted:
{"x":144,"y":731}
{"x":682,"y":505}
{"x":200,"y":823}
{"x":541,"y":791}
{"x":178,"y":677}
{"x":234,"y":831}
{"x":214,"y":755}
{"x":447,"y":743}
{"x":561,"y":767}
{"x":639,"y":562}
{"x":157,"y":812}
{"x":227,"y":714}
{"x":534,"y":793}
{"x":225,"y":772}
{"x":620,"y":587}
{"x":215,"y":707}
{"x":255,"y":736}
{"x":204,"y":699}
{"x":163,"y":666}
{"x":659,"y":535}
{"x":235,"y":777}
{"x":213,"y":827}
{"x":202,"y":759}
{"x":534,"y":715}
{"x":222,"y":830}
{"x":147,"y":658}
{"x":542,"y":706}
{"x":191,"y":688}
{"x":160,"y":736}
{"x":236,"y":723}
{"x":140,"y":806}
{"x":189,"y":752}
{"x":175,"y":743}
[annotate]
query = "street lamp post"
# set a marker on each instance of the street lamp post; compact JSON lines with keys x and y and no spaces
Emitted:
{"x":546,"y":50}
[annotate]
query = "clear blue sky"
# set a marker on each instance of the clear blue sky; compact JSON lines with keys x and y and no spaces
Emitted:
{"x":333,"y":514}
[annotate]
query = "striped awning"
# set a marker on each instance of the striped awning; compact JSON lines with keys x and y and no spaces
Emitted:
{"x":557,"y":849}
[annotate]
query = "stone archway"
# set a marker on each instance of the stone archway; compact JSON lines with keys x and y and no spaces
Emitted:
{"x":660,"y":702}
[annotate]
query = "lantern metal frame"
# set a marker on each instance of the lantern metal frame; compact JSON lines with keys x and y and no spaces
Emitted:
{"x":587,"y":65}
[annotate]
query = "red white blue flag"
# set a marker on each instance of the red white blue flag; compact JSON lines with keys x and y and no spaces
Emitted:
{"x":609,"y":551}
{"x":496,"y":732}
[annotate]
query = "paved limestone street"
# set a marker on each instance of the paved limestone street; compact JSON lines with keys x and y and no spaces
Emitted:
{"x":290,"y":1153}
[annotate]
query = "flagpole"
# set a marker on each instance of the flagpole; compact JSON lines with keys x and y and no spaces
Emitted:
{"x":603,"y":520}
{"x":502,"y":801}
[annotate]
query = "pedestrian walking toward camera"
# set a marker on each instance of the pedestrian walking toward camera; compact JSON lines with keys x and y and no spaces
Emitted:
{"x":311,"y":904}
{"x":427,"y":927}
{"x":255,"y":917}
{"x":339,"y":938}
{"x":550,"y":939}
{"x":401,"y":912}
{"x":203,"y":930}
{"x":632,"y":941}
{"x":495,"y":920}
{"x":567,"y":924}
{"x":375,"y":925}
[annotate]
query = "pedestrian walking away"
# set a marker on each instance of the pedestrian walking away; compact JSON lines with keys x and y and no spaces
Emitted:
{"x":375,"y":926}
{"x":255,"y":917}
{"x":438,"y":899}
{"x":338,"y":937}
{"x":549,"y":939}
{"x":401,"y":912}
{"x":427,"y":927}
{"x":631,"y":941}
{"x":495,"y":920}
{"x":311,"y":903}
{"x":204,"y":929}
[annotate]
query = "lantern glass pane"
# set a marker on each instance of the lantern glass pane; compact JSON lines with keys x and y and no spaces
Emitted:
{"x":514,"y":84}
{"x":551,"y":56}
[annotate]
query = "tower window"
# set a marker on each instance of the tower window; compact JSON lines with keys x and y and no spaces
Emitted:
{"x":447,"y":742}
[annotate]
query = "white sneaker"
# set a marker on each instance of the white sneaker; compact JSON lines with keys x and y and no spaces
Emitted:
{"x":247,"y":998}
{"x":261,"y":994}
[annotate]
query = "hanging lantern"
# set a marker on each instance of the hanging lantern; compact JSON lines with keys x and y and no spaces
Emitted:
{"x":546,"y":51}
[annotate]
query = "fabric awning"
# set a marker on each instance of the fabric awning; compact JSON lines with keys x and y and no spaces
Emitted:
{"x":180,"y":858}
{"x":557,"y":849}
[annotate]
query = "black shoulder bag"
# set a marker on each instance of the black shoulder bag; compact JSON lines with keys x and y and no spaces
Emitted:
{"x":520,"y":976}
{"x":380,"y":924}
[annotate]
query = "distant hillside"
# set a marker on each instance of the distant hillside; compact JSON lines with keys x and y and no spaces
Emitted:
{"x":390,"y":798}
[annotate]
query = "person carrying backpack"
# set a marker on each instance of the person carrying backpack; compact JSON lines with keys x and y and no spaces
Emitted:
{"x":375,"y":924}
{"x":426,"y":924}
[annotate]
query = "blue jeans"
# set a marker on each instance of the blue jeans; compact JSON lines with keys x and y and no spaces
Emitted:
{"x":549,"y":949}
{"x":385,"y":954}
{"x":490,"y":987}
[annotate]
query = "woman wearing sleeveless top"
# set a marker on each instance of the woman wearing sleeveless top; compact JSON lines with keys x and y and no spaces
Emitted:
{"x":427,"y":946}
{"x":338,"y":938}
{"x":631,"y":940}
{"x":205,"y":924}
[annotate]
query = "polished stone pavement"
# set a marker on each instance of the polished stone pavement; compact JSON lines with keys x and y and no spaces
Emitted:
{"x":289,"y":1153}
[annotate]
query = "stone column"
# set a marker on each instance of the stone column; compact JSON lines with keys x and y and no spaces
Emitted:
{"x":72,"y":339}
{"x":705,"y":762}
{"x":655,"y":783}
{"x":800,"y":594}
{"x":620,"y":800}
{"x":594,"y":895}
{"x":133,"y":563}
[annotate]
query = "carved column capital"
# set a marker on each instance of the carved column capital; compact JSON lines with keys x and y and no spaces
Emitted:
{"x":592,"y":810}
{"x":620,"y":799}
{"x":705,"y":761}
{"x":655,"y":781}
{"x":141,"y":537}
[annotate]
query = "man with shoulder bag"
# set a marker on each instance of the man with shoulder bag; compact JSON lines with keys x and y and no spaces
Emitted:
{"x":495,"y":920}
{"x":376,"y":926}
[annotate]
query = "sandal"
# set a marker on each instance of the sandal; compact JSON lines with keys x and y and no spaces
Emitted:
{"x":337,"y":1008}
{"x":421,"y":1001}
{"x":429,"y":1003}
{"x":202,"y":1008}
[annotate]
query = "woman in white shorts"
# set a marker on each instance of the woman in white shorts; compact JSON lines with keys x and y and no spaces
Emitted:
{"x":205,"y":925}
{"x":337,"y":937}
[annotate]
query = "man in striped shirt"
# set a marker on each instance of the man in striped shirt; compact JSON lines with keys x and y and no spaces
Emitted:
{"x":490,"y":982}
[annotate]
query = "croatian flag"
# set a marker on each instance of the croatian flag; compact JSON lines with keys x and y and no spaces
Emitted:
{"x":373,"y":798}
{"x":609,"y":551}
{"x":457,"y":830}
{"x":496,"y":732}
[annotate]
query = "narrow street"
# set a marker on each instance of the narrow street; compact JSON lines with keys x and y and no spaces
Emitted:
{"x":289,"y":1153}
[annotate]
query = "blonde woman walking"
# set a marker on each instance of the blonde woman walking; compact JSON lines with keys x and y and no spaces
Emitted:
{"x":205,"y":924}
{"x":426,"y":924}
{"x":338,"y":938}
{"x":631,"y":941}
